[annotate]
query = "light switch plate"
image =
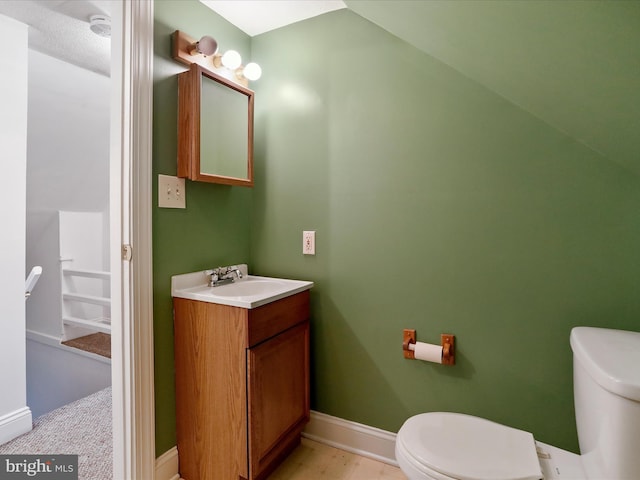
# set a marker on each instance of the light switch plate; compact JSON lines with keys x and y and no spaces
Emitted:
{"x":171,"y":192}
{"x":308,"y":242}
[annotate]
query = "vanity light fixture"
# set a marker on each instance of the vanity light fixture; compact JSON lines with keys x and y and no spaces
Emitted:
{"x":188,"y":50}
{"x":206,"y":46}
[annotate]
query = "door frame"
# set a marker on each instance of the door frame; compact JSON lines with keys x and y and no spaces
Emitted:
{"x":130,"y":225}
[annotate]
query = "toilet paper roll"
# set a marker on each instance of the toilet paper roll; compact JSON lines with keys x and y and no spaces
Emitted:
{"x":428,"y":352}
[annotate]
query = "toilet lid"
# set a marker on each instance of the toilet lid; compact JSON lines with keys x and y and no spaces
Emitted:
{"x":470,"y":448}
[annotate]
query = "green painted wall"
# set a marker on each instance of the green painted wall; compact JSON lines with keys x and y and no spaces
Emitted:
{"x":214,"y":228}
{"x":438,"y":206}
{"x":572,"y":63}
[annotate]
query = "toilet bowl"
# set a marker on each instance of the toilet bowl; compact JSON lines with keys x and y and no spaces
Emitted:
{"x":455,"y":446}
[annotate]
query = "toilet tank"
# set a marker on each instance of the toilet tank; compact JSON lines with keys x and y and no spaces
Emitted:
{"x":606,"y":378}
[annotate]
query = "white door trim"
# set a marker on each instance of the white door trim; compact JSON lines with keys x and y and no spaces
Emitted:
{"x":130,"y":206}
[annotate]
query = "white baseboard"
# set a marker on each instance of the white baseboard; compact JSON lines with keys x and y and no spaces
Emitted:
{"x":14,"y":424}
{"x":167,"y":465}
{"x":353,"y":437}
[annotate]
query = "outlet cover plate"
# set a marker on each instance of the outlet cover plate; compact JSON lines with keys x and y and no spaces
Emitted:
{"x":171,"y":192}
{"x":309,"y":242}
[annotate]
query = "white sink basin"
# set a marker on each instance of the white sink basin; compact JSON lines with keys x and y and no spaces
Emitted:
{"x":249,"y":287}
{"x":248,"y":292}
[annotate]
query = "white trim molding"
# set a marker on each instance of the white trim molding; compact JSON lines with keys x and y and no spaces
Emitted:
{"x":353,"y":437}
{"x":14,"y":424}
{"x":130,"y":206}
{"x":167,"y":465}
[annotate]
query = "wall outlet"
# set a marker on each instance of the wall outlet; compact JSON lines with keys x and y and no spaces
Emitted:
{"x":171,"y":192}
{"x":308,"y":242}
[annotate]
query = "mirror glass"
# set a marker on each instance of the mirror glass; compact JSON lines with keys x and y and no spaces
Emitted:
{"x":215,"y":129}
{"x":223,"y":135}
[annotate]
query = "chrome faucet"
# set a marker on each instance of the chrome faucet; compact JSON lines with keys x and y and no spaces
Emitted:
{"x":223,"y":275}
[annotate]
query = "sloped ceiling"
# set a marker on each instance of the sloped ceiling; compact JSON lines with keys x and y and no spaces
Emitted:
{"x":573,"y":64}
{"x":60,"y":28}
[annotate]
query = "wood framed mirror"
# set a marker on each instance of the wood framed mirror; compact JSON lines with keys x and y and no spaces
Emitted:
{"x":215,"y":128}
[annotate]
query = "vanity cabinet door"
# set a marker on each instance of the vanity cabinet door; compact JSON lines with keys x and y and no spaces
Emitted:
{"x":278,"y":397}
{"x":210,"y":390}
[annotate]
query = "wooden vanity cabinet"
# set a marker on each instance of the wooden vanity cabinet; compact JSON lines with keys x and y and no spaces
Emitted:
{"x":242,"y":386}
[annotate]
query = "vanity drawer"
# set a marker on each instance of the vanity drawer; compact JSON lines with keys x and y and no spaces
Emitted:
{"x":273,"y":318}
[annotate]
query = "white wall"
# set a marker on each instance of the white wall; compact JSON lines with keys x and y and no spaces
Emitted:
{"x":68,"y":150}
{"x":57,"y":377}
{"x":15,"y":417}
{"x":44,"y":308}
{"x":67,"y":169}
{"x":81,"y":246}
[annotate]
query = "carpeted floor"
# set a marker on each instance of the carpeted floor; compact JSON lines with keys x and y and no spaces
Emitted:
{"x":81,"y":428}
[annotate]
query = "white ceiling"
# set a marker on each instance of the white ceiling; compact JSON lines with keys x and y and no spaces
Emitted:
{"x":254,"y":17}
{"x":60,"y":28}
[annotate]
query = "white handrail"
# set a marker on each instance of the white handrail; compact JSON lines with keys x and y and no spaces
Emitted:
{"x":31,"y":280}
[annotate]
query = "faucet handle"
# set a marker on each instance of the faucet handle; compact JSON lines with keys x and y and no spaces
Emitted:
{"x":213,"y":273}
{"x":221,"y":271}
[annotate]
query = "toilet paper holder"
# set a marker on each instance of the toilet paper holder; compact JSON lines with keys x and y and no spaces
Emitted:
{"x":446,"y":340}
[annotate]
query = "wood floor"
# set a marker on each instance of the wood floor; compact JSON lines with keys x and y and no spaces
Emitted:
{"x":315,"y":461}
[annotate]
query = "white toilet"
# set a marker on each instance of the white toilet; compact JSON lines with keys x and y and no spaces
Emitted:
{"x":606,"y":366}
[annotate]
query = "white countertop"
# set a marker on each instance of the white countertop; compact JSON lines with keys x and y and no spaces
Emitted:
{"x":248,"y":292}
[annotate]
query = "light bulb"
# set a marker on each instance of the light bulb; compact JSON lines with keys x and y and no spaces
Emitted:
{"x":252,"y":71}
{"x":206,"y":46}
{"x":231,"y":59}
